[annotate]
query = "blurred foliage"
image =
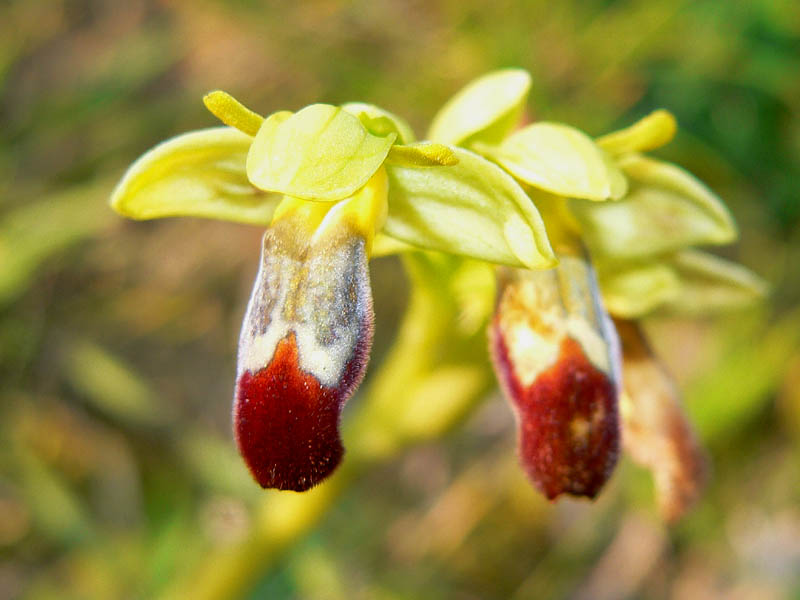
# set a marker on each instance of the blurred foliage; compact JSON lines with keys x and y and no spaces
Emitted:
{"x":118,"y":478}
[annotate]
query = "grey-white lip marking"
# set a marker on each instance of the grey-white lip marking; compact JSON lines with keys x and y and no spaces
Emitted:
{"x":567,"y":303}
{"x":319,"y":292}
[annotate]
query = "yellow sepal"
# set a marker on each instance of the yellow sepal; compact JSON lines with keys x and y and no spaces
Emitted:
{"x":653,"y":131}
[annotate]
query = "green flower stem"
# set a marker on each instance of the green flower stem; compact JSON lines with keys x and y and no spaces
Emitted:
{"x":386,"y":423}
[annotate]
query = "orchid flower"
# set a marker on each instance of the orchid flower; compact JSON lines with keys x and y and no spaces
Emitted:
{"x":622,"y":225}
{"x":575,"y":228}
{"x":325,"y":181}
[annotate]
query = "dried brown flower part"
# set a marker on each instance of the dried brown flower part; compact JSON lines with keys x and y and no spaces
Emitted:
{"x":656,"y":431}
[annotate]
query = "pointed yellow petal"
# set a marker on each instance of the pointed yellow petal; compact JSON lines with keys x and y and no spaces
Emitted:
{"x":198,"y":174}
{"x":561,"y":160}
{"x":485,"y":110}
{"x":319,"y":153}
{"x":666,"y":209}
{"x":232,"y":112}
{"x":653,"y":131}
{"x":473,"y":208}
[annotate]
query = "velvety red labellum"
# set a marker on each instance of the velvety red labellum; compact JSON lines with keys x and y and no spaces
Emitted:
{"x":556,"y":355}
{"x":287,"y":424}
{"x":302,"y":352}
{"x":568,"y":422}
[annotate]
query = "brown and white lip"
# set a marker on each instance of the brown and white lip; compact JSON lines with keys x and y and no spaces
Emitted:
{"x":556,"y":356}
{"x":303,"y":350}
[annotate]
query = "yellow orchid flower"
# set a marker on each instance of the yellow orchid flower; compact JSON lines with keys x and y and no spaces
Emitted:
{"x":631,"y":219}
{"x":325,"y":181}
{"x":337,"y":185}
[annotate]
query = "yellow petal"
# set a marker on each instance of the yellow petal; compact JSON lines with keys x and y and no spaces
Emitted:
{"x":319,"y":153}
{"x":709,"y":283}
{"x":485,"y":110}
{"x":633,"y":290}
{"x":232,"y":112}
{"x":383,"y":122}
{"x":653,"y":131}
{"x":473,"y":209}
{"x":666,"y":209}
{"x":689,"y":282}
{"x":199,"y":174}
{"x":424,"y":154}
{"x":561,"y":160}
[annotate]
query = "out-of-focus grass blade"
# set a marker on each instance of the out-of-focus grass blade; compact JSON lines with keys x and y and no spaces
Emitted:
{"x":111,"y":386}
{"x":32,"y":233}
{"x":56,"y":511}
{"x":215,"y":462}
{"x":723,"y":399}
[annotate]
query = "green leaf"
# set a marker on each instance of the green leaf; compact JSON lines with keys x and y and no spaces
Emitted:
{"x":381,"y":122}
{"x":632,"y":290}
{"x":485,"y":110}
{"x":319,"y":153}
{"x":709,"y":283}
{"x":561,"y":160}
{"x":653,"y":131}
{"x":473,"y":209}
{"x":198,"y":174}
{"x":666,"y":209}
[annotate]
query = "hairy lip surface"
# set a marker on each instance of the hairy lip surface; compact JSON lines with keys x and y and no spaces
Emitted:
{"x":568,"y":424}
{"x":287,"y":424}
{"x":303,"y":350}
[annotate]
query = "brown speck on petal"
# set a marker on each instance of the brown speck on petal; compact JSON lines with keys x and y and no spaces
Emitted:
{"x":555,"y":354}
{"x":656,"y":431}
{"x":303,"y":350}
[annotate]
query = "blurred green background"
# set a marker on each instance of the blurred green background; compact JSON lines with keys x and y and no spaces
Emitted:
{"x":118,"y":475}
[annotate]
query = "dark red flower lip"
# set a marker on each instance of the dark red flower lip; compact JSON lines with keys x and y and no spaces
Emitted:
{"x":568,"y":423}
{"x":555,"y":354}
{"x":303,"y":350}
{"x":286,"y":423}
